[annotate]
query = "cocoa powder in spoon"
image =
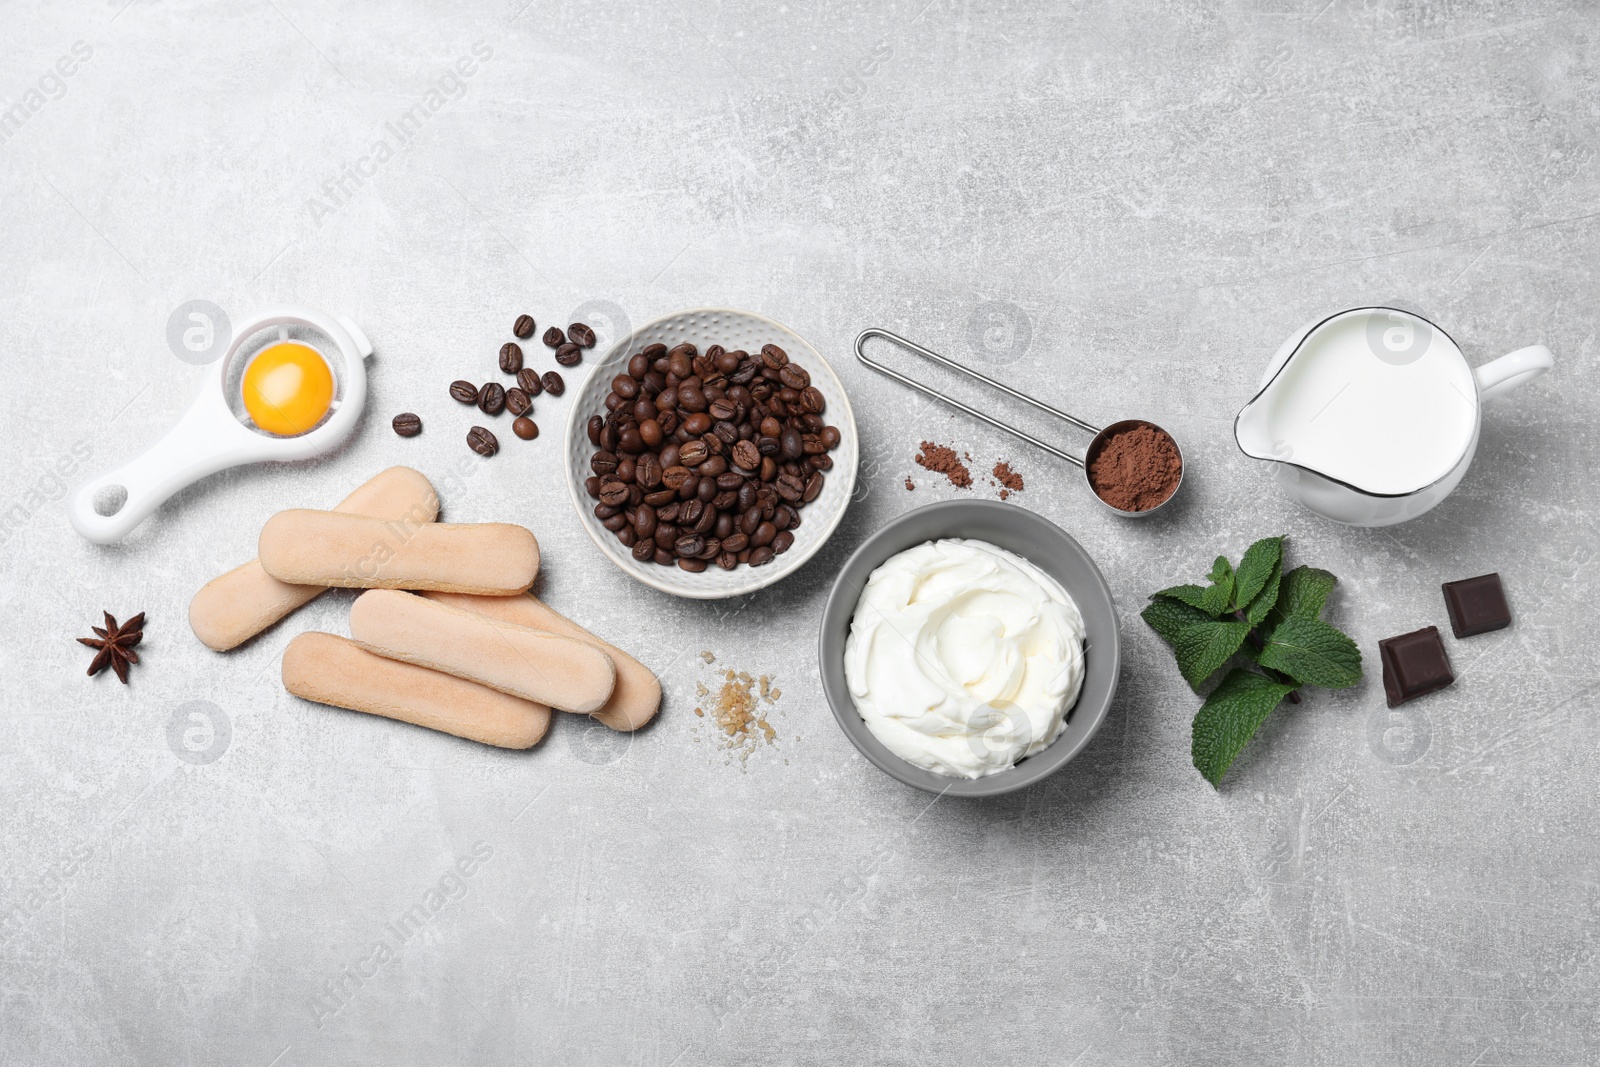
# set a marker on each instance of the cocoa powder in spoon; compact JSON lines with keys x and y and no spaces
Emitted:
{"x":1136,"y":469}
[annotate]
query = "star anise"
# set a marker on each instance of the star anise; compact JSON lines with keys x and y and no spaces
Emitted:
{"x":115,"y":645}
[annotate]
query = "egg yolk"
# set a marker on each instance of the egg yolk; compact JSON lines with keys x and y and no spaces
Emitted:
{"x":288,"y":388}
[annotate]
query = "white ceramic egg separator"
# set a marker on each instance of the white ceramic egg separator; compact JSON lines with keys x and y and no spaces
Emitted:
{"x":211,"y":436}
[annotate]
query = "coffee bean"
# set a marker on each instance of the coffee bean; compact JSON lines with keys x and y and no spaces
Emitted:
{"x":591,"y":485}
{"x":735,"y":542}
{"x":553,"y":383}
{"x":528,"y":381}
{"x":792,"y":445}
{"x":615,"y":522}
{"x":783,"y":542}
{"x":692,"y":545}
{"x":693,"y":453}
{"x":554,"y":338}
{"x":643,"y":549}
{"x":482,"y":441}
{"x":524,"y":326}
{"x":569,"y":355}
{"x":647,"y":471}
{"x":813,"y":487}
{"x":581,"y":335}
{"x":517,"y":401}
{"x":525,"y":428}
{"x":693,"y":566}
{"x":773,"y":356}
{"x":613,"y":494}
{"x":746,"y":456}
{"x":625,"y":386}
{"x":603,"y":463}
{"x":728,"y":560}
{"x":823,"y":462}
{"x":654,"y":352}
{"x":812,"y":401}
{"x":407,"y":425}
{"x":596,"y":424}
{"x":492,"y":398}
{"x":510,"y":357}
{"x":463,"y":391}
{"x":761,"y":556}
{"x":795,"y":377}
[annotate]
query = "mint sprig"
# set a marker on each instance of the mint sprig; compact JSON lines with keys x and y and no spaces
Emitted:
{"x":1258,"y":616}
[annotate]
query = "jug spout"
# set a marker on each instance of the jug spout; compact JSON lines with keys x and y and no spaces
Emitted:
{"x":1251,"y":431}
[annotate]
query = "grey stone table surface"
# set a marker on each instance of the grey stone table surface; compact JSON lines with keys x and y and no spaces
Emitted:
{"x":1127,"y":207}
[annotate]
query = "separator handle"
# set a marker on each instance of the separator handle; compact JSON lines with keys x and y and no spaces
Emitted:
{"x":197,"y":446}
{"x":1501,"y":376}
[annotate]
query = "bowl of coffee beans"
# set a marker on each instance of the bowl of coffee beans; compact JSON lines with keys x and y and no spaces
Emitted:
{"x":711,"y":452}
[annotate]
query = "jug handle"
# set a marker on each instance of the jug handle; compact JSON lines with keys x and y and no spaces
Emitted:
{"x":1511,"y":370}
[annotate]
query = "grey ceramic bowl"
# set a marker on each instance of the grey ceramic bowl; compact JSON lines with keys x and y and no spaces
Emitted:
{"x":1047,"y":547}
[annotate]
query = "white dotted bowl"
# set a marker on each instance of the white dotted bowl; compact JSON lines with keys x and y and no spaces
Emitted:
{"x":704,"y":327}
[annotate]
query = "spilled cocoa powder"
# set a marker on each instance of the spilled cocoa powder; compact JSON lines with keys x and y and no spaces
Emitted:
{"x":1010,"y":481}
{"x":942,"y":460}
{"x":1137,"y":468}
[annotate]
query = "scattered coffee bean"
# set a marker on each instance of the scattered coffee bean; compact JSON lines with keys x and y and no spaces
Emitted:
{"x":510,"y":357}
{"x":407,"y":425}
{"x":554,"y":338}
{"x":492,"y":398}
{"x":552,"y":383}
{"x":528,"y":381}
{"x":517,"y":401}
{"x":482,"y":441}
{"x":524,"y":326}
{"x":581,"y":335}
{"x":464,"y":391}
{"x":569,"y":355}
{"x":525,"y":428}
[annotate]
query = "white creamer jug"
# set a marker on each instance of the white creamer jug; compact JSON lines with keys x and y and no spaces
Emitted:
{"x":1372,"y":414}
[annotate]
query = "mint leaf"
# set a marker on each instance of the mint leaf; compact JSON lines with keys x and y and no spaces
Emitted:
{"x":1256,"y":568}
{"x":1199,"y":597}
{"x":1229,"y":719}
{"x":1264,"y":600}
{"x":1311,"y":652}
{"x":1304,"y":593}
{"x":1221,"y":584}
{"x":1205,"y":646}
{"x":1169,"y":618}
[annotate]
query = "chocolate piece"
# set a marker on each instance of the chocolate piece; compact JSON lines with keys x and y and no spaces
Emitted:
{"x":1414,"y":665}
{"x":1477,"y":605}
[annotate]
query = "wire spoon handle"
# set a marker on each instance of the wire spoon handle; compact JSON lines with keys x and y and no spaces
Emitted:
{"x":926,"y":353}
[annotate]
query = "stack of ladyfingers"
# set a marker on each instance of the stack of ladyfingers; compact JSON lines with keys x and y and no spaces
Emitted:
{"x":473,"y":655}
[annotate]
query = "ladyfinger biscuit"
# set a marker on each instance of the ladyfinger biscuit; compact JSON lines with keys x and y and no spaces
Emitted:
{"x":229,"y":610}
{"x":335,"y":670}
{"x":637,"y":697}
{"x":538,"y":666}
{"x":305,"y":547}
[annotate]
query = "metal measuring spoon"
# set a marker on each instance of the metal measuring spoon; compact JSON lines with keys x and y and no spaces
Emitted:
{"x":1101,"y":436}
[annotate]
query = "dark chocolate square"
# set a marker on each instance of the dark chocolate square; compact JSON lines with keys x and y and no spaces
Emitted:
{"x":1477,"y":605}
{"x":1414,"y":664}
